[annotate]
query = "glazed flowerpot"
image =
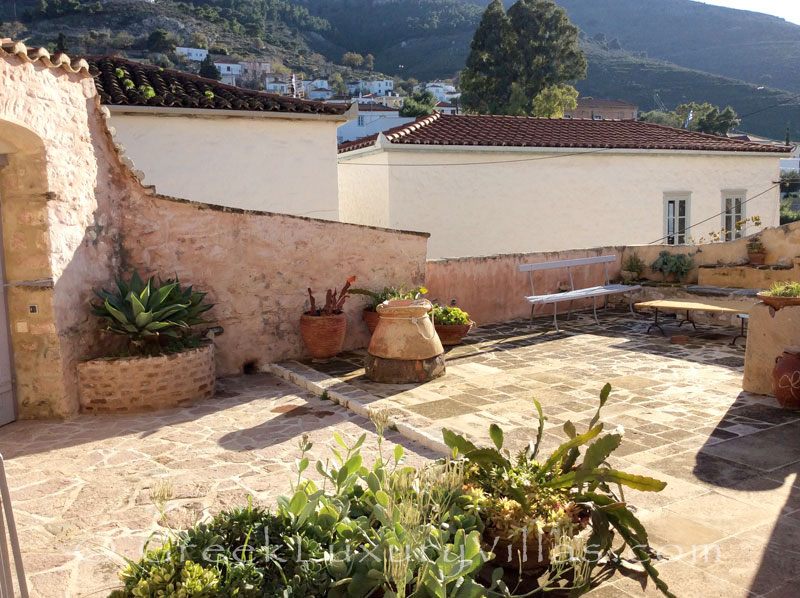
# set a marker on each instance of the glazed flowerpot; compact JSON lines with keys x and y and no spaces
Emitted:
{"x":786,"y":378}
{"x":453,"y":334}
{"x":778,"y":302}
{"x":371,"y":319}
{"x":323,"y":336}
{"x":757,"y":258}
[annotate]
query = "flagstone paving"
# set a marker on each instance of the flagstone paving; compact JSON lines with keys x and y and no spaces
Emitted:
{"x":728,"y":523}
{"x":81,"y":490}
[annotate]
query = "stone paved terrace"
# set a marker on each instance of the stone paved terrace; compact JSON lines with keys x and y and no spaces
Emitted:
{"x":81,"y":489}
{"x":730,"y":458}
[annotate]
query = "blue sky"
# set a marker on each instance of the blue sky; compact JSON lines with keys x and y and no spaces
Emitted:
{"x":787,"y":9}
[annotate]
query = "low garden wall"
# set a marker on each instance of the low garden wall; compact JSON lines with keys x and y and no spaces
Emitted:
{"x":257,"y":267}
{"x":491,"y":288}
{"x":132,"y":384}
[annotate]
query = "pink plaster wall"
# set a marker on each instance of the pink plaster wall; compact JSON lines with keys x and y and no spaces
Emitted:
{"x":257,"y":266}
{"x":491,"y":288}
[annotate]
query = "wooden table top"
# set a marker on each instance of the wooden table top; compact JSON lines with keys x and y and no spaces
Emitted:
{"x":717,"y":306}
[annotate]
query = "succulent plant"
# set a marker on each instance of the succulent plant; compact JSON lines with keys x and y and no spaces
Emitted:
{"x":146,"y":311}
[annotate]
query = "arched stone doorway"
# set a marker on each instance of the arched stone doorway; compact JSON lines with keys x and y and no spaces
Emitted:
{"x":30,"y":364}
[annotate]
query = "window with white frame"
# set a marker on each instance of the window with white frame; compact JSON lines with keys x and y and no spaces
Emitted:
{"x":732,"y":214}
{"x":676,"y":218}
{"x":360,"y":121}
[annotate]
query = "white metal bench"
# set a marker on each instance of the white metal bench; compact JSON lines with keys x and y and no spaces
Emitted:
{"x":574,"y":294}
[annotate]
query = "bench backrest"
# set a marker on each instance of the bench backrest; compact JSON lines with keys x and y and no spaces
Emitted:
{"x":568,"y":264}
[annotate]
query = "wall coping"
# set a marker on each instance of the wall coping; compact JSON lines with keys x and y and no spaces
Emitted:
{"x":203,"y":346}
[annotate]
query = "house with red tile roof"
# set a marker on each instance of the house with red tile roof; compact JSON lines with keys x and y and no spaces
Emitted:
{"x":484,"y":185}
{"x":220,"y":144}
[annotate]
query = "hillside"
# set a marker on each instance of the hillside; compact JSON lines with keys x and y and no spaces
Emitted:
{"x":428,"y":39}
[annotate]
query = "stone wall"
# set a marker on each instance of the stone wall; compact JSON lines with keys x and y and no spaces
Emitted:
{"x":257,"y":267}
{"x":492,"y":289}
{"x":73,"y":216}
{"x":136,"y":384}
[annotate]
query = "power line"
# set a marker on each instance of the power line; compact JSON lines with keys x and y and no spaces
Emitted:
{"x":597,"y":151}
{"x":770,"y":107}
{"x":715,"y":215}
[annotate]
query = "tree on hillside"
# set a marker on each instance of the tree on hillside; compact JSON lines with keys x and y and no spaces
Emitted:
{"x":62,"y":47}
{"x":551,"y":102}
{"x":352,"y":59}
{"x":208,"y":69}
{"x":421,"y":103}
{"x":369,"y":62}
{"x":336,"y":83}
{"x":161,"y":41}
{"x":702,"y":118}
{"x":530,"y":50}
{"x":486,"y":81}
{"x":198,"y":39}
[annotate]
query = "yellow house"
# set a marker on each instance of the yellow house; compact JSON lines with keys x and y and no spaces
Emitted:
{"x":485,"y":185}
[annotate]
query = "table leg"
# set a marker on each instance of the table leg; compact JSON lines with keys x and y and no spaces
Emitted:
{"x":689,"y":320}
{"x":655,"y":324}
{"x":742,"y":334}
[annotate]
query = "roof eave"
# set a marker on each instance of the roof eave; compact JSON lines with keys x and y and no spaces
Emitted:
{"x":223,"y":113}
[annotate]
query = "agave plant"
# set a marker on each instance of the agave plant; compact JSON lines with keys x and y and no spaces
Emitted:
{"x":582,"y":478}
{"x":147,"y":311}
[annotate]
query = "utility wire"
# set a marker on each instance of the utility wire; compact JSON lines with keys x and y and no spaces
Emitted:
{"x":715,"y":215}
{"x":760,"y":110}
{"x":597,"y":151}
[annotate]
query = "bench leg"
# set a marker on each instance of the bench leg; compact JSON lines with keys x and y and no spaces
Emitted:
{"x":532,"y":308}
{"x":555,"y":315}
{"x":594,"y":308}
{"x":569,"y":310}
{"x":630,"y":303}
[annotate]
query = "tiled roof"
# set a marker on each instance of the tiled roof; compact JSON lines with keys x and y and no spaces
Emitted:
{"x":596,"y":102}
{"x":55,"y":61}
{"x":176,"y":89}
{"x":376,"y":108}
{"x":521,"y":131}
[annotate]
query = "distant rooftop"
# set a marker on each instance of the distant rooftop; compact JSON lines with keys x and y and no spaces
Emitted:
{"x":176,"y":89}
{"x":520,"y":131}
{"x":376,"y":108}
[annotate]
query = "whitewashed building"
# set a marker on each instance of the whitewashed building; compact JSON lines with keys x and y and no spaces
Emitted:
{"x":230,"y":70}
{"x":195,"y":54}
{"x":372,"y":119}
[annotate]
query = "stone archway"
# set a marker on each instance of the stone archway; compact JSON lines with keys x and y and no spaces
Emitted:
{"x":37,"y":367}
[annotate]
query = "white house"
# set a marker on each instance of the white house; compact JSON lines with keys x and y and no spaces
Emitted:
{"x":446,"y":108}
{"x":790,"y":164}
{"x":517,"y":184}
{"x":196,"y":54}
{"x":230,"y":70}
{"x":376,"y":87}
{"x":231,"y":147}
{"x":372,"y":119}
{"x":279,"y":87}
{"x":444,"y":92}
{"x":320,"y":94}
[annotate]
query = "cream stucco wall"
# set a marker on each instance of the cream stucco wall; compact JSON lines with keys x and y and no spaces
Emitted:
{"x":364,"y":191}
{"x":260,"y":163}
{"x":546,"y":200}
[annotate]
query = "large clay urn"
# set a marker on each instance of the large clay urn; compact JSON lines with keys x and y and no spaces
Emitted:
{"x":404,"y":347}
{"x":786,"y":378}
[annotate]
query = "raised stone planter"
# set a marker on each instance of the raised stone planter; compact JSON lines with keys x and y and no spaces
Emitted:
{"x":131,"y":384}
{"x":769,"y":332}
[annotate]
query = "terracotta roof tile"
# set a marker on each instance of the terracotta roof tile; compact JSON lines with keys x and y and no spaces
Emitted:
{"x":176,"y":89}
{"x":520,"y":131}
{"x":54,"y":61}
{"x":376,"y":108}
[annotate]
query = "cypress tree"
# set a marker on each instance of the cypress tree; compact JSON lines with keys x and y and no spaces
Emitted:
{"x":486,"y":80}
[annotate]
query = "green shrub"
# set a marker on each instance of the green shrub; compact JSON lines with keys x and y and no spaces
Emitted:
{"x":679,"y":264}
{"x":389,"y":293}
{"x":449,"y":315}
{"x":787,"y":288}
{"x":155,"y":317}
{"x":634,"y":264}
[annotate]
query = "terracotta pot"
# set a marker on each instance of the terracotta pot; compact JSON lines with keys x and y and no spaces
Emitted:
{"x":405,"y":331}
{"x":323,"y":335}
{"x":757,"y":258}
{"x":786,"y":378}
{"x":778,"y":302}
{"x":453,"y":334}
{"x":371,"y":318}
{"x":532,"y":554}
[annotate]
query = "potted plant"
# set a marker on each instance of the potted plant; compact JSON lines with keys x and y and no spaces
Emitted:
{"x":387,"y":294}
{"x":633,"y":268}
{"x":781,"y":294}
{"x":157,"y":322}
{"x":323,"y":329}
{"x":673,"y":267}
{"x":533,"y":505}
{"x":452,"y":324}
{"x":756,"y":252}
